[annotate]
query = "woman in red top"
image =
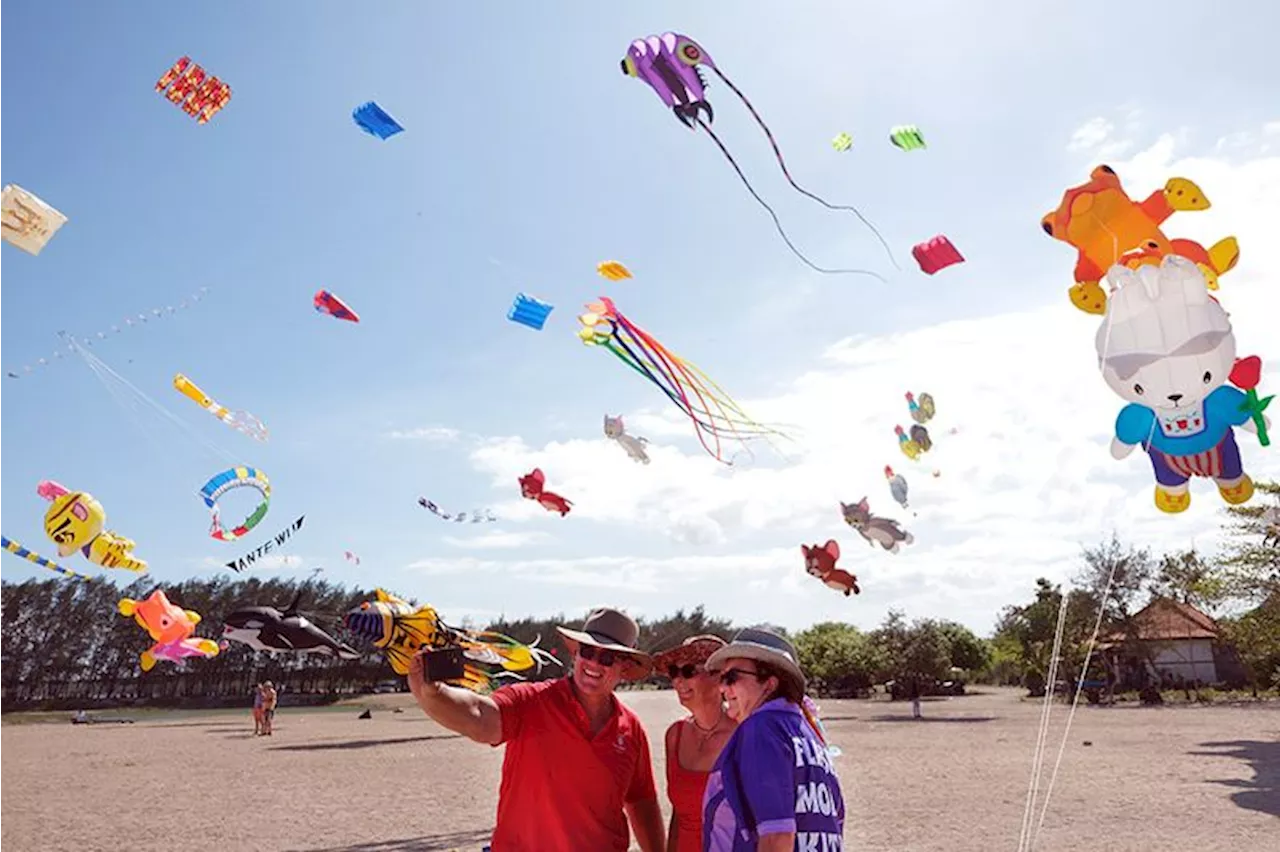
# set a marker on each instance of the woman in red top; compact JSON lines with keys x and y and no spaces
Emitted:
{"x":694,"y":742}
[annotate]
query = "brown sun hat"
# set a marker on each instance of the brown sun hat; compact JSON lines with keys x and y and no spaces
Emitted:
{"x":612,"y":630}
{"x":695,"y":649}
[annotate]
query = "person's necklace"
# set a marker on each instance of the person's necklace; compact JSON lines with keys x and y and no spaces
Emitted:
{"x":705,"y":734}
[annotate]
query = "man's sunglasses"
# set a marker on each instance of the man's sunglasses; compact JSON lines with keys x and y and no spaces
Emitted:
{"x":688,"y":671}
{"x":731,"y":676}
{"x":596,"y":655}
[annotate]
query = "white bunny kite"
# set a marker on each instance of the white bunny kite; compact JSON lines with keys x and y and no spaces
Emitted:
{"x":1167,"y":348}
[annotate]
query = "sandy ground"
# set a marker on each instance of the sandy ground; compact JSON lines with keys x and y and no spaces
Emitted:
{"x":1193,"y":778}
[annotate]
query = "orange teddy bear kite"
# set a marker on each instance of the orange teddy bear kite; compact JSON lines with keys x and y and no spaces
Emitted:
{"x":1107,"y":227}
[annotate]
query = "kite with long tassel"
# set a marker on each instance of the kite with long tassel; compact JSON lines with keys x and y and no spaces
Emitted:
{"x":714,"y":414}
{"x":670,"y":65}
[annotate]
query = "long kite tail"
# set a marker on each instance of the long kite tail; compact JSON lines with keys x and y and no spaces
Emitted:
{"x":776,"y":223}
{"x":33,"y":557}
{"x":777,"y":152}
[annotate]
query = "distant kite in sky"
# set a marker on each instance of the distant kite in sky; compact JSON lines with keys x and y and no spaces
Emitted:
{"x":351,"y":557}
{"x":907,"y":137}
{"x":714,"y":414}
{"x":26,"y":221}
{"x":527,"y":310}
{"x":669,"y":64}
{"x":199,"y":95}
{"x":241,"y":421}
{"x":375,"y":121}
{"x":613,"y":270}
{"x":479,"y":516}
{"x":842,"y":143}
{"x":936,"y":254}
{"x":327,"y":303}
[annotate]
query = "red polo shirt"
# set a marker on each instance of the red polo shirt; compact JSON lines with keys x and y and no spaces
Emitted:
{"x":562,"y":790}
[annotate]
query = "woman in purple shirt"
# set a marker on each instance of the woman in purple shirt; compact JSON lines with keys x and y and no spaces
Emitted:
{"x":773,"y":788}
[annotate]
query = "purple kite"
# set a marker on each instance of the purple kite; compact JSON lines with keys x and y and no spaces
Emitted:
{"x":669,"y":64}
{"x":327,"y":303}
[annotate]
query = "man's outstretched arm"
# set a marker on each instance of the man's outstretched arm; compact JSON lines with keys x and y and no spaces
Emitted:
{"x":474,"y":716}
{"x":646,"y":823}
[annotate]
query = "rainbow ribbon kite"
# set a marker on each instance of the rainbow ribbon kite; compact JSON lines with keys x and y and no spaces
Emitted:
{"x":31,"y":556}
{"x":604,"y":325}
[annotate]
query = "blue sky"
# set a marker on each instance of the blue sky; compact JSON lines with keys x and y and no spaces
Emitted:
{"x":527,"y":159}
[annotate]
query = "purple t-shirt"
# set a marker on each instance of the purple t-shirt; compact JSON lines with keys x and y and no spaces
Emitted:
{"x":773,"y":776}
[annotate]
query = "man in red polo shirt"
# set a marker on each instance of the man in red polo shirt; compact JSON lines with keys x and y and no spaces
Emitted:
{"x":577,"y":767}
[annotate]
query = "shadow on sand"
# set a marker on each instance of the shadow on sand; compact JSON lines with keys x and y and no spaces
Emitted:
{"x":933,"y":719}
{"x":353,"y":744}
{"x":426,"y":843}
{"x":1263,"y":792}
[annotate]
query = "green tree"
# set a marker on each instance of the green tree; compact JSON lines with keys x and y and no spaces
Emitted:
{"x":920,"y":650}
{"x":967,"y":650}
{"x":1190,"y":579}
{"x":1251,"y":562}
{"x":838,"y":659}
{"x":1256,"y":639}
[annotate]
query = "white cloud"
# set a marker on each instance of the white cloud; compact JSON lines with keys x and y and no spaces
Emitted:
{"x":497,"y":540}
{"x":1024,"y":482}
{"x":1097,"y":137}
{"x":431,"y":434}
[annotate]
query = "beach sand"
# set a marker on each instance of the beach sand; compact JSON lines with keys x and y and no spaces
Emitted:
{"x":1175,"y":778}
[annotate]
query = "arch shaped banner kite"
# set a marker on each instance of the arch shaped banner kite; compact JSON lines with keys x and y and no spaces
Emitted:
{"x":236,"y":477}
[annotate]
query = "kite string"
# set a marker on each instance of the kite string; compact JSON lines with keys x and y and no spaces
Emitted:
{"x":100,"y":368}
{"x":1097,"y":626}
{"x":777,"y":152}
{"x":776,"y":222}
{"x":1042,"y":734}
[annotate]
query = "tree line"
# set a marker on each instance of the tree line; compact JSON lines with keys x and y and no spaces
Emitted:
{"x":65,"y":645}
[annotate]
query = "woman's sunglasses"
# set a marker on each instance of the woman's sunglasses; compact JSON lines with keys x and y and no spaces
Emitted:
{"x":731,"y":676}
{"x":596,"y":655}
{"x":688,"y":671}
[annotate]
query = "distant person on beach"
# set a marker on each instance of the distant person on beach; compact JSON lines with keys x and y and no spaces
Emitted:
{"x":268,"y":707}
{"x":257,"y":710}
{"x":577,"y":769}
{"x":913,"y":692}
{"x":773,"y":787}
{"x":694,"y":742}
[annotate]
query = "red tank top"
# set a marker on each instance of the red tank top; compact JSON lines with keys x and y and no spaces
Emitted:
{"x":684,"y":789}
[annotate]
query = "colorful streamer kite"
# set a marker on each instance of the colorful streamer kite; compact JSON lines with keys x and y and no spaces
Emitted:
{"x":200,"y":96}
{"x":907,"y":137}
{"x":128,"y":322}
{"x":26,"y":221}
{"x":375,"y":121}
{"x":236,"y":477}
{"x":241,"y":421}
{"x":604,"y":325}
{"x":35,"y":558}
{"x":527,"y":310}
{"x":669,"y":64}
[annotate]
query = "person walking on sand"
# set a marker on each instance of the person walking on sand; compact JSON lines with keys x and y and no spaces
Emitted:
{"x":913,"y":693}
{"x":577,"y":770}
{"x":268,"y":708}
{"x":257,"y":710}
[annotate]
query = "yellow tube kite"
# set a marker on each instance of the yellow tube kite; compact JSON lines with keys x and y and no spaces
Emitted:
{"x":241,"y":421}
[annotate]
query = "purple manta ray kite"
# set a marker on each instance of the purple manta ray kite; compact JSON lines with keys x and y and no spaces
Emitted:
{"x":669,"y":63}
